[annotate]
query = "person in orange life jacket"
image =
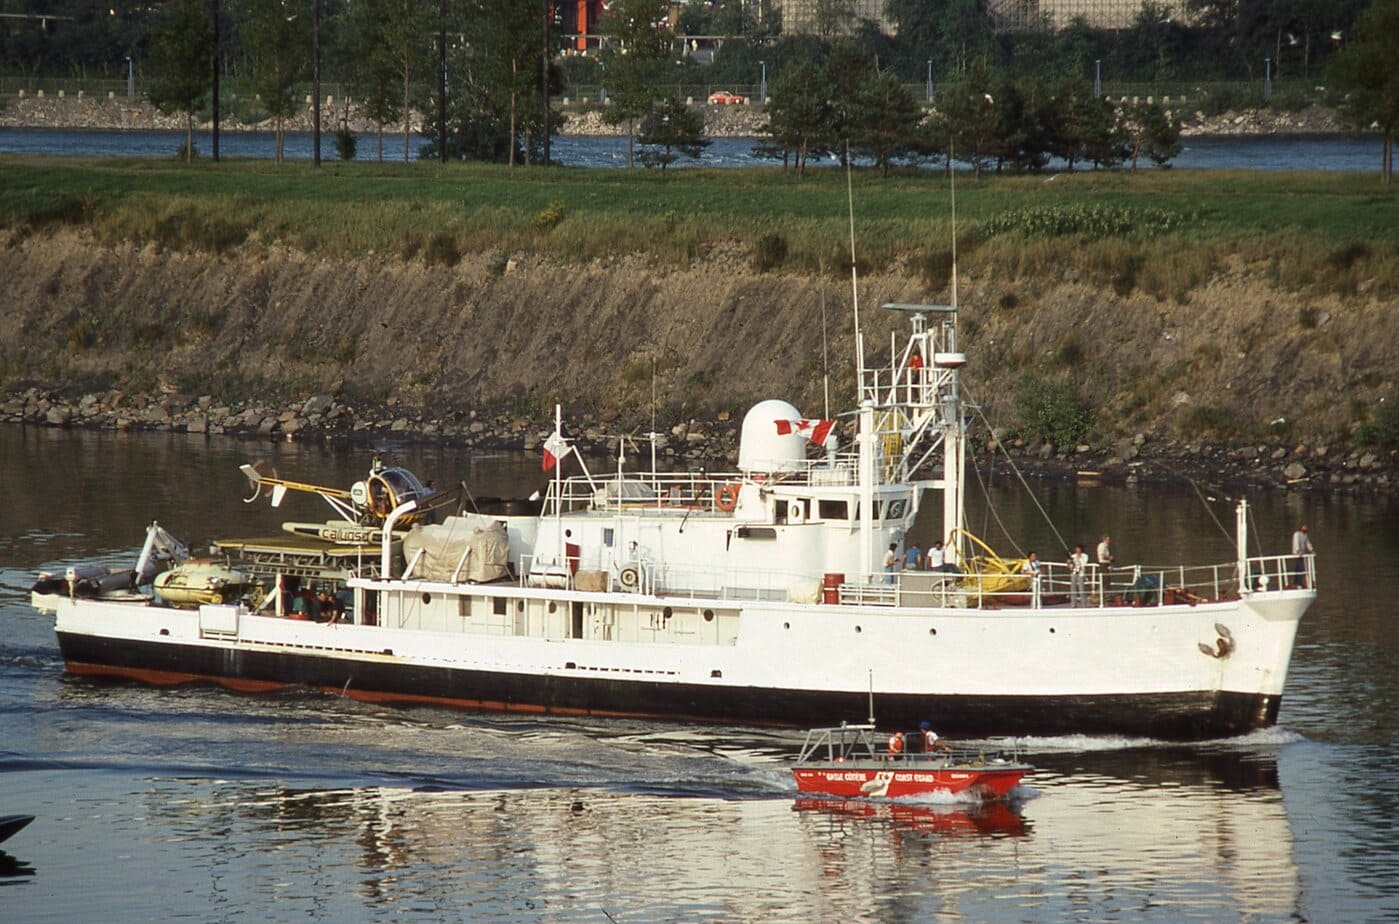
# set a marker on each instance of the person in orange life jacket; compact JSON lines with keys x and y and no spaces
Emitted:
{"x":896,"y":743}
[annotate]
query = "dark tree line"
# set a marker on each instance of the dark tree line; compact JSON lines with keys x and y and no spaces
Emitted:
{"x":983,"y":118}
{"x":1002,"y":100}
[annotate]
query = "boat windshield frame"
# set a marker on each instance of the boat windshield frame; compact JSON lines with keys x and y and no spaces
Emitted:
{"x":844,"y":742}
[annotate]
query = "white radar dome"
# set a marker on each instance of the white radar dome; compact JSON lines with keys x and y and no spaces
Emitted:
{"x":761,"y":448}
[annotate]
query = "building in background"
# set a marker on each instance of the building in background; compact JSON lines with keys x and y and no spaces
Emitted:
{"x":1053,"y":15}
{"x":839,"y":17}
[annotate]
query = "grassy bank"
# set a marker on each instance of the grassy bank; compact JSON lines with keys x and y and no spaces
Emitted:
{"x":1165,"y":232}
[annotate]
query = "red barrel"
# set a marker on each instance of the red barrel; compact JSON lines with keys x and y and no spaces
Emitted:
{"x":830,"y":587}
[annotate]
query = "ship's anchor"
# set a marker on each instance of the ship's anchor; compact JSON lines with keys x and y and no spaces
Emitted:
{"x":1224,"y":645}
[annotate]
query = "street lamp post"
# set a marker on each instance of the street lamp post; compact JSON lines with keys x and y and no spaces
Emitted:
{"x":1267,"y":79}
{"x":930,"y":80}
{"x":1098,"y":78}
{"x":130,"y":78}
{"x":763,"y":87}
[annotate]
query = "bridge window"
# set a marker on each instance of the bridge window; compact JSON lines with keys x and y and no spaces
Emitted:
{"x":833,"y":509}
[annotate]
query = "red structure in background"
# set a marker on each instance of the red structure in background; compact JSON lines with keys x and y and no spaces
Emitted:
{"x":580,"y":21}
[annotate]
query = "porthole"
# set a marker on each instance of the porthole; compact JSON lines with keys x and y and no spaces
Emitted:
{"x":1051,"y":630}
{"x":786,"y":625}
{"x":932,"y":631}
{"x":427,"y":598}
{"x":553,"y":606}
{"x":858,"y":630}
{"x":519,"y":606}
{"x":708,"y":615}
{"x":667,"y":612}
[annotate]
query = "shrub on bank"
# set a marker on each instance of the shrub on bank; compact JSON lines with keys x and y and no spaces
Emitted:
{"x":1052,"y":412}
{"x":1383,"y":430}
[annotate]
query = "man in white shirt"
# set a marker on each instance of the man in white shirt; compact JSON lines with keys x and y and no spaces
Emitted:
{"x":1301,"y":546}
{"x":891,"y":562}
{"x":937,"y":556}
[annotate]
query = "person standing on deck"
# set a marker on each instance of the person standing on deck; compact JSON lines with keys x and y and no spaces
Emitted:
{"x":891,"y":563}
{"x":1105,"y":559}
{"x":913,"y":557}
{"x":1301,"y":546}
{"x":1078,"y":565}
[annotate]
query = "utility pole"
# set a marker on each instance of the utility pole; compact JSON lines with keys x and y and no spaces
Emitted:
{"x":544,"y":78}
{"x":214,"y":134}
{"x":442,"y":82}
{"x":315,"y":83}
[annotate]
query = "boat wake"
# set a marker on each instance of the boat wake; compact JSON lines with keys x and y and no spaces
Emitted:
{"x":1276,"y":736}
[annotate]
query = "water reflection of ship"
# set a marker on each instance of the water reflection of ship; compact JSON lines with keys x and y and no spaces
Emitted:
{"x":1153,"y":824}
{"x":980,"y":819}
{"x":1230,"y":768}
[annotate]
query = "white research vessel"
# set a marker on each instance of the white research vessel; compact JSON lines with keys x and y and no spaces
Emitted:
{"x":755,"y":597}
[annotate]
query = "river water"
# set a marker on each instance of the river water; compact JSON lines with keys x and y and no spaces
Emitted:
{"x":1286,"y":152}
{"x":204,"y":805}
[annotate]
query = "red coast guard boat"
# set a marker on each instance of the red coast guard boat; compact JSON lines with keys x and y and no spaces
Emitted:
{"x":846,"y":761}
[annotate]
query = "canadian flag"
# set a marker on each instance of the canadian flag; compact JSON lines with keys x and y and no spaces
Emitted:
{"x":814,"y":430}
{"x":555,"y":448}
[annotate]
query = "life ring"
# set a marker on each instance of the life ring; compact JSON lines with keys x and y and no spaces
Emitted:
{"x":629,"y":577}
{"x":726,"y":498}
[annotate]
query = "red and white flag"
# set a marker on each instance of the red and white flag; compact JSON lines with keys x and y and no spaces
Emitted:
{"x":555,"y":448}
{"x":814,"y":430}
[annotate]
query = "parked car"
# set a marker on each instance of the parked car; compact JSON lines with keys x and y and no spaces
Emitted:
{"x":725,"y":98}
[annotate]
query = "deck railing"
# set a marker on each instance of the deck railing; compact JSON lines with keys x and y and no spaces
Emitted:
{"x":1132,"y":586}
{"x":679,"y":491}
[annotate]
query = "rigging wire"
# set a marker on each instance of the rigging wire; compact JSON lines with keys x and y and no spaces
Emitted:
{"x":1204,"y":500}
{"x":1023,"y":483}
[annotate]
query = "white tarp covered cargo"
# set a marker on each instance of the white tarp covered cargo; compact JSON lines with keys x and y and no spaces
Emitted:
{"x":469,"y":547}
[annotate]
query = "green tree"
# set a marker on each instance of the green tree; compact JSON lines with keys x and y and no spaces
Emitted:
{"x":494,"y":104}
{"x":182,"y":52}
{"x":1083,"y":127}
{"x":846,"y":67}
{"x":800,"y":114}
{"x":407,"y":39}
{"x":886,"y":120}
{"x":1148,"y":130}
{"x":1367,"y":70}
{"x":364,"y":50}
{"x":508,"y":59}
{"x":636,"y":61}
{"x":672,"y":127}
{"x":966,"y":123}
{"x":277,"y":39}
